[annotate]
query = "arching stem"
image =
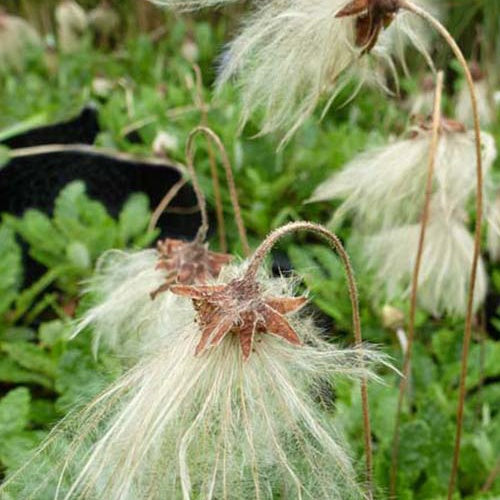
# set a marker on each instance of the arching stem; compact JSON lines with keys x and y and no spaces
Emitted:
{"x":436,"y":119}
{"x":251,"y":273}
{"x":233,"y":193}
{"x":408,"y":5}
{"x":219,"y":210}
{"x":165,"y":202}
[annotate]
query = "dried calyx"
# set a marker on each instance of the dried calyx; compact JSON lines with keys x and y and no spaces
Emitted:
{"x":372,"y":16}
{"x":240,"y":308}
{"x":446,"y":125}
{"x":187,"y":262}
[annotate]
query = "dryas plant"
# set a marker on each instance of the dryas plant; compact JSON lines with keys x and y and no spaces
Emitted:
{"x":290,"y":53}
{"x":134,"y":308}
{"x":394,"y":179}
{"x":416,"y":195}
{"x":224,"y":407}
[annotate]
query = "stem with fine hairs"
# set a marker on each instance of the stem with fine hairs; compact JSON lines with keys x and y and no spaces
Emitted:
{"x":411,"y":7}
{"x":233,"y":193}
{"x":251,"y":273}
{"x":219,"y":210}
{"x":165,"y":201}
{"x":436,"y":120}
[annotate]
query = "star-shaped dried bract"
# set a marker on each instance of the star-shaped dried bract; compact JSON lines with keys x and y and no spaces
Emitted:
{"x":188,"y":262}
{"x":372,"y":16}
{"x":239,"y":308}
{"x":445,"y":125}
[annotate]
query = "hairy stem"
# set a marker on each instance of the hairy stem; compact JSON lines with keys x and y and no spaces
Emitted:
{"x":219,"y":210}
{"x":408,"y":5}
{"x":436,"y":119}
{"x":165,"y":201}
{"x":251,"y":274}
{"x":210,"y":134}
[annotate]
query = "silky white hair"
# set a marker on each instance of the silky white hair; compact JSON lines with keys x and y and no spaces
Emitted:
{"x":445,"y":267}
{"x":286,"y":56}
{"x":485,"y":104}
{"x":209,"y":426}
{"x":386,"y":186}
{"x":492,"y":216}
{"x":125,"y":318}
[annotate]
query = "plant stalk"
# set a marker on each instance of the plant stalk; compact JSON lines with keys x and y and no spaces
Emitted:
{"x":411,"y":7}
{"x":333,"y":240}
{"x":436,"y":119}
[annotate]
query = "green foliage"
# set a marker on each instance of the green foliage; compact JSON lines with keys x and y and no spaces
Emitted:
{"x":43,"y":373}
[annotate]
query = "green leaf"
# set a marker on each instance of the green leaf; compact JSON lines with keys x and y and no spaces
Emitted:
{"x":10,"y":267}
{"x":54,"y":332}
{"x":134,"y":218}
{"x":47,"y":244}
{"x":15,"y":449}
{"x":31,"y":357}
{"x":4,"y":156}
{"x":14,"y":411}
{"x":12,"y":373}
{"x":78,"y":255}
{"x":80,"y":219}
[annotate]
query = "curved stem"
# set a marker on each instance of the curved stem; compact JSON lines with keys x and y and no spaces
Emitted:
{"x":436,"y":119}
{"x":210,"y":134}
{"x":251,"y":273}
{"x":221,"y":224}
{"x":165,"y":201}
{"x":408,"y":5}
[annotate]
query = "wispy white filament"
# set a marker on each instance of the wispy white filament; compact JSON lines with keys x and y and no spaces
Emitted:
{"x":180,"y":426}
{"x":446,"y":262}
{"x":287,"y":55}
{"x":386,"y":186}
{"x":485,"y":103}
{"x":125,"y":318}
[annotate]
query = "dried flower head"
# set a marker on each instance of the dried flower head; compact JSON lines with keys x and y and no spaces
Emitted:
{"x":392,"y":178}
{"x":214,"y":425}
{"x":17,"y":39}
{"x":188,"y":262}
{"x":240,"y":309}
{"x":445,"y":268}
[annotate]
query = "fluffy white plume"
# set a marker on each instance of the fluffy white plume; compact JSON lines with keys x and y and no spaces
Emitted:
{"x":289,"y":54}
{"x":17,"y":37}
{"x":493,"y":222}
{"x":187,"y":5}
{"x":72,"y":25}
{"x":409,"y":29}
{"x":485,"y":103}
{"x":385,"y":187}
{"x":209,"y":426}
{"x":125,"y":318}
{"x":446,"y":262}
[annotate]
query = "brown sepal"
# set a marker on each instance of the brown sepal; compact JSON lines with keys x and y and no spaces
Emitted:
{"x":239,"y":308}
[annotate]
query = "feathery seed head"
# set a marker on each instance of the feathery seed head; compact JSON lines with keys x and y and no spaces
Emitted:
{"x":213,"y":426}
{"x":446,"y":260}
{"x":392,"y":178}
